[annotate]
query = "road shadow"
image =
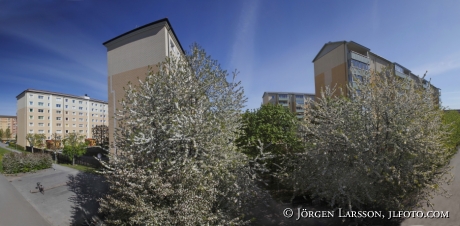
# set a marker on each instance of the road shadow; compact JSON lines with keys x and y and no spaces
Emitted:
{"x":88,"y":188}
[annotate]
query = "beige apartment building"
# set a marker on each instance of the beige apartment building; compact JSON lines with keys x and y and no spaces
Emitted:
{"x":8,"y":122}
{"x":295,"y":102}
{"x":130,"y":54}
{"x":336,"y":62}
{"x":47,"y":112}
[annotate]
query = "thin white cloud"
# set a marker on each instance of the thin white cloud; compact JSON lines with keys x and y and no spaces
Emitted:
{"x":448,"y":63}
{"x":243,"y":50}
{"x":242,"y":54}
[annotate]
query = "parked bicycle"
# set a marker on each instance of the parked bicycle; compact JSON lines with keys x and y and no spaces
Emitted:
{"x":40,"y":188}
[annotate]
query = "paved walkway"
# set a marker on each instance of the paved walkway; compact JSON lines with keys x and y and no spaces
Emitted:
{"x":451,"y":204}
{"x":66,"y":190}
{"x":5,"y":146}
{"x":15,"y":210}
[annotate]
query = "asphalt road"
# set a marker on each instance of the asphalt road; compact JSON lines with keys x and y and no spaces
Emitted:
{"x":15,"y":210}
{"x":451,"y":204}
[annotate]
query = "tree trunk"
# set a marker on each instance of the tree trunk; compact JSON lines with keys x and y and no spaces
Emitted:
{"x":32,"y":149}
{"x":73,"y":160}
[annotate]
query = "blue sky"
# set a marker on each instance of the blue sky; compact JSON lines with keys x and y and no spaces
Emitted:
{"x":57,"y":45}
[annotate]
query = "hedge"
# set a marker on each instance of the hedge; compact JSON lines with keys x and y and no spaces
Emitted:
{"x":25,"y":162}
{"x":12,"y":144}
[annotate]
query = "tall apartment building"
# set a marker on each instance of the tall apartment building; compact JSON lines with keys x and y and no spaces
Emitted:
{"x":46,"y":112}
{"x":295,"y":102}
{"x":128,"y":58}
{"x":336,"y":62}
{"x":8,"y":122}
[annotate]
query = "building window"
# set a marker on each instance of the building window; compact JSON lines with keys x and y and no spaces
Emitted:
{"x":66,"y":100}
{"x":73,"y":125}
{"x":48,"y":125}
{"x":40,"y":103}
{"x":58,"y":105}
{"x":58,"y":112}
{"x":58,"y":99}
{"x":58,"y":131}
{"x":282,"y":96}
{"x":81,"y":113}
{"x":41,"y":124}
{"x":73,"y":107}
{"x":80,"y":102}
{"x":73,"y":119}
{"x":66,"y":131}
{"x":40,"y":97}
{"x":31,"y":124}
{"x":80,"y":125}
{"x":58,"y":124}
{"x":31,"y":117}
{"x":80,"y":108}
{"x":58,"y":118}
{"x":399,"y":69}
{"x":67,"y":106}
{"x":31,"y":110}
{"x":31,"y":131}
{"x":31,"y":103}
{"x":67,"y":119}
{"x":360,"y":65}
{"x":40,"y":117}
{"x":81,"y":131}
{"x":31,"y":95}
{"x":73,"y":101}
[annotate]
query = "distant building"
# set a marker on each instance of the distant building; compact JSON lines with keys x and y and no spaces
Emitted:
{"x":47,"y":112}
{"x":295,"y":102}
{"x":130,"y":54}
{"x":457,"y":110}
{"x":8,"y":122}
{"x":336,"y":62}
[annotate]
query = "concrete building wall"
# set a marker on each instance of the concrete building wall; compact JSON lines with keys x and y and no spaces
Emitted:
{"x":8,"y":122}
{"x":330,"y":69}
{"x":129,"y":57}
{"x":48,"y":112}
{"x":377,"y":63}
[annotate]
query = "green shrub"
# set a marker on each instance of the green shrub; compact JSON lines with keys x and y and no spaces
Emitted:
{"x":14,"y":145}
{"x":25,"y":162}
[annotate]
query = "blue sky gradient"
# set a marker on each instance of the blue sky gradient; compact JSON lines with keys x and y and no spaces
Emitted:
{"x":57,"y":45}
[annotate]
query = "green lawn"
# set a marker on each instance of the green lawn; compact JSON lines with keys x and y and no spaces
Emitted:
{"x":86,"y":169}
{"x":2,"y":152}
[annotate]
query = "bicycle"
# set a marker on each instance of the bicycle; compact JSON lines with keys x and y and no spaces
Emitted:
{"x":40,"y":188}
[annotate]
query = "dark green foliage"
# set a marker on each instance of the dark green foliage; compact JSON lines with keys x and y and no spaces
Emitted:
{"x":452,"y":119}
{"x":14,"y":145}
{"x":268,"y":133}
{"x":25,"y":162}
{"x":274,"y":125}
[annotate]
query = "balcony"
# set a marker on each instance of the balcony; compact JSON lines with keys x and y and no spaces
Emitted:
{"x":299,"y":116}
{"x":358,"y":57}
{"x":299,"y":110}
{"x":283,"y":104}
{"x":400,"y":74}
{"x":283,"y":97}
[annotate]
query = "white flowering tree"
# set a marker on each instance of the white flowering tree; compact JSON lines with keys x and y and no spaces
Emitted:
{"x":178,"y":165}
{"x":382,"y":148}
